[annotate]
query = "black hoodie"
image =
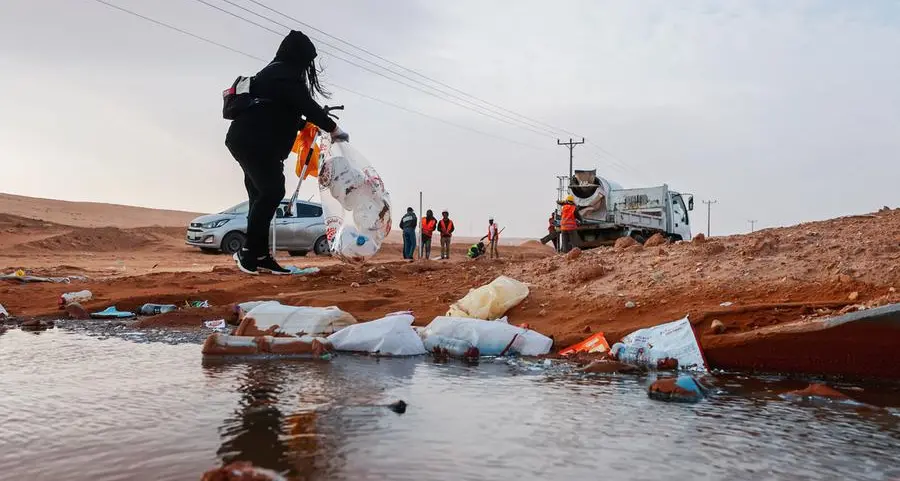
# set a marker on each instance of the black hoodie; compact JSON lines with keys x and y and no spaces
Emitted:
{"x":268,"y":130}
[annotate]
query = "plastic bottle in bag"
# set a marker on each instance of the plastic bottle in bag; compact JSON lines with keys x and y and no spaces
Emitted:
{"x":70,"y":297}
{"x":353,"y":244}
{"x":453,"y":347}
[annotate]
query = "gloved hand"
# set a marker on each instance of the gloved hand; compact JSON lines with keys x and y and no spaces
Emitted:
{"x":338,"y":135}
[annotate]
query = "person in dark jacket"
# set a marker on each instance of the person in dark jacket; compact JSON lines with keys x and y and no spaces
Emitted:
{"x":261,"y":137}
{"x":408,"y":225}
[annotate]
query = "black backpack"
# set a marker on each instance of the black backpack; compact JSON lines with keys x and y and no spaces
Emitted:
{"x":237,"y":99}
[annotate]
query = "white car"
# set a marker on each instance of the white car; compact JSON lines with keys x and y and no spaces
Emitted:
{"x":302,"y":232}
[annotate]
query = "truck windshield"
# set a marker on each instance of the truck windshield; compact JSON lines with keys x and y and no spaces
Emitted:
{"x":679,"y":203}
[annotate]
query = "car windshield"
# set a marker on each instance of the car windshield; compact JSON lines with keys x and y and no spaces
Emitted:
{"x":241,"y":208}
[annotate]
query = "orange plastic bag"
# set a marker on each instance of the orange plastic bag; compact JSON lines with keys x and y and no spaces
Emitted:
{"x":595,"y":343}
{"x":306,"y":141}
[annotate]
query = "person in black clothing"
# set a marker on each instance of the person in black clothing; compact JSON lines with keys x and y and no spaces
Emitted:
{"x":261,"y":137}
{"x":408,"y":226}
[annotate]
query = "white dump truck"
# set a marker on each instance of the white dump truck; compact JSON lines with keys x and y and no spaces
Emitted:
{"x":609,"y":212}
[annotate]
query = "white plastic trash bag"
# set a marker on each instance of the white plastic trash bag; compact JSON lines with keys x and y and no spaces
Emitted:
{"x":357,"y":207}
{"x":490,"y":301}
{"x":392,"y":335}
{"x":276,"y":318}
{"x":671,"y":340}
{"x":491,"y":338}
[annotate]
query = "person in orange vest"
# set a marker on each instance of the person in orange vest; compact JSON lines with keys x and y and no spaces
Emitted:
{"x":493,"y":236}
{"x":568,"y":222}
{"x":446,"y":228}
{"x":428,"y":225}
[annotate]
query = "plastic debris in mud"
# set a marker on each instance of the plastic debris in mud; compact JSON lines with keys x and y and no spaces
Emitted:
{"x":274,"y":318}
{"x":3,"y":312}
{"x":155,"y":309}
{"x":304,"y":271}
{"x":112,"y":313}
{"x":218,"y":325}
{"x":241,"y":471}
{"x":391,"y":335}
{"x":817,"y":393}
{"x":683,"y":389}
{"x":492,"y":338}
{"x":657,"y":347}
{"x":197,"y":304}
{"x":594,"y":344}
{"x":71,"y":297}
{"x":218,"y":344}
{"x":490,"y":301}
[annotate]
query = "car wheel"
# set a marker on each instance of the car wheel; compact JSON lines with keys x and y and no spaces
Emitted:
{"x":297,"y":253}
{"x":209,"y":250}
{"x":321,"y":247}
{"x":233,"y":242}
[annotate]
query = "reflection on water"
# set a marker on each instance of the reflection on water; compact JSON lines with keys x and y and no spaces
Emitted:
{"x":84,"y":409}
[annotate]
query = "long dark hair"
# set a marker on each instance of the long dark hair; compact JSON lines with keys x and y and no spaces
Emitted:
{"x":311,"y":76}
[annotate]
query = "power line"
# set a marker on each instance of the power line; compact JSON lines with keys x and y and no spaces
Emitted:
{"x":379,"y":57}
{"x":480,"y":110}
{"x":370,"y":97}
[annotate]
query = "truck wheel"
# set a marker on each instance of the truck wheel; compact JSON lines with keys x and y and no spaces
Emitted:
{"x":639,"y":238}
{"x":297,"y":253}
{"x":321,"y":246}
{"x":233,"y":242}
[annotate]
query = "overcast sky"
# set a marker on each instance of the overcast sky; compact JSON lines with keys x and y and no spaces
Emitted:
{"x":782,"y":111}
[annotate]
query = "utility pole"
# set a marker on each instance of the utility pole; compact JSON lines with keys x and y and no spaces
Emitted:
{"x":571,"y":145}
{"x":709,"y":204}
{"x":419,"y":228}
{"x":752,"y":225}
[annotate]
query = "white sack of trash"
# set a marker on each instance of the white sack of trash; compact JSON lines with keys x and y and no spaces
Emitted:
{"x":277,"y":318}
{"x":672,"y":340}
{"x":492,"y":338}
{"x":392,"y":335}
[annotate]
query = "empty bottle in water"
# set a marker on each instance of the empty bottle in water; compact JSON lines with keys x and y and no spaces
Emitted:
{"x":155,"y":309}
{"x":453,"y":347}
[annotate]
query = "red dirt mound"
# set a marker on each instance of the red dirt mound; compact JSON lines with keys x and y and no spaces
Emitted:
{"x":103,"y":239}
{"x":655,"y":240}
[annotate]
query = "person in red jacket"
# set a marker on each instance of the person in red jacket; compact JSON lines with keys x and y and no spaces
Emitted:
{"x":446,"y":228}
{"x":429,"y":223}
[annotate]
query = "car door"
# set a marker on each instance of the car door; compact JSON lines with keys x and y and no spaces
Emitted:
{"x":284,"y":230}
{"x":305,"y":232}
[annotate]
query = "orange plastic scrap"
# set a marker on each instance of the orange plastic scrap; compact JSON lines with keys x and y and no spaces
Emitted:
{"x":595,"y":343}
{"x":305,"y":141}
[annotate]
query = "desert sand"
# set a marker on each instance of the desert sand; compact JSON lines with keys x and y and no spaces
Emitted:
{"x":747,"y":282}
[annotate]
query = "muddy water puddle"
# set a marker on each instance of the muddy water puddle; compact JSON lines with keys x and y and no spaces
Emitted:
{"x":81,"y":408}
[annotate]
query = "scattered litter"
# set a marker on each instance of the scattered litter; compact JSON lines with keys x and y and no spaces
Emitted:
{"x":112,"y":313}
{"x":271,"y":318}
{"x":593,"y":344}
{"x":491,"y":338}
{"x":218,"y":324}
{"x":726,"y":304}
{"x":70,"y":297}
{"x":354,"y":284}
{"x":305,"y":271}
{"x":717,"y":326}
{"x":684,"y":389}
{"x":357,"y":207}
{"x":3,"y":312}
{"x":20,"y":276}
{"x":218,"y":344}
{"x":442,"y":346}
{"x":606,"y":366}
{"x":197,"y":304}
{"x":630,"y":305}
{"x":391,"y":335}
{"x":490,"y":301}
{"x":155,"y":309}
{"x":653,"y":345}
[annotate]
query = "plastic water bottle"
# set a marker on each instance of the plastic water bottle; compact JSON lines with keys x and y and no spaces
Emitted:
{"x":154,"y":309}
{"x":70,"y":297}
{"x":350,"y":243}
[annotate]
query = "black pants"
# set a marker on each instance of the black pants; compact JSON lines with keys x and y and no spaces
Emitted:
{"x":264,"y":180}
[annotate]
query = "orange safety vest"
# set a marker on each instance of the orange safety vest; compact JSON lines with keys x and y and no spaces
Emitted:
{"x":567,"y":218}
{"x":428,"y":226}
{"x":446,"y":228}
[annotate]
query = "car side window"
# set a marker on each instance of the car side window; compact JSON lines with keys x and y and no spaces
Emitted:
{"x":308,"y":210}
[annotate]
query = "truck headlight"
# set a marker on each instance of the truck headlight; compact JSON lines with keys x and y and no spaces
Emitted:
{"x":215,"y":224}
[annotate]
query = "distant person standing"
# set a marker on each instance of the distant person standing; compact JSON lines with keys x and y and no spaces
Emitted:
{"x":429,"y":223}
{"x":262,"y":133}
{"x":408,"y":226}
{"x":446,"y":228}
{"x":493,"y":236}
{"x":551,"y":231}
